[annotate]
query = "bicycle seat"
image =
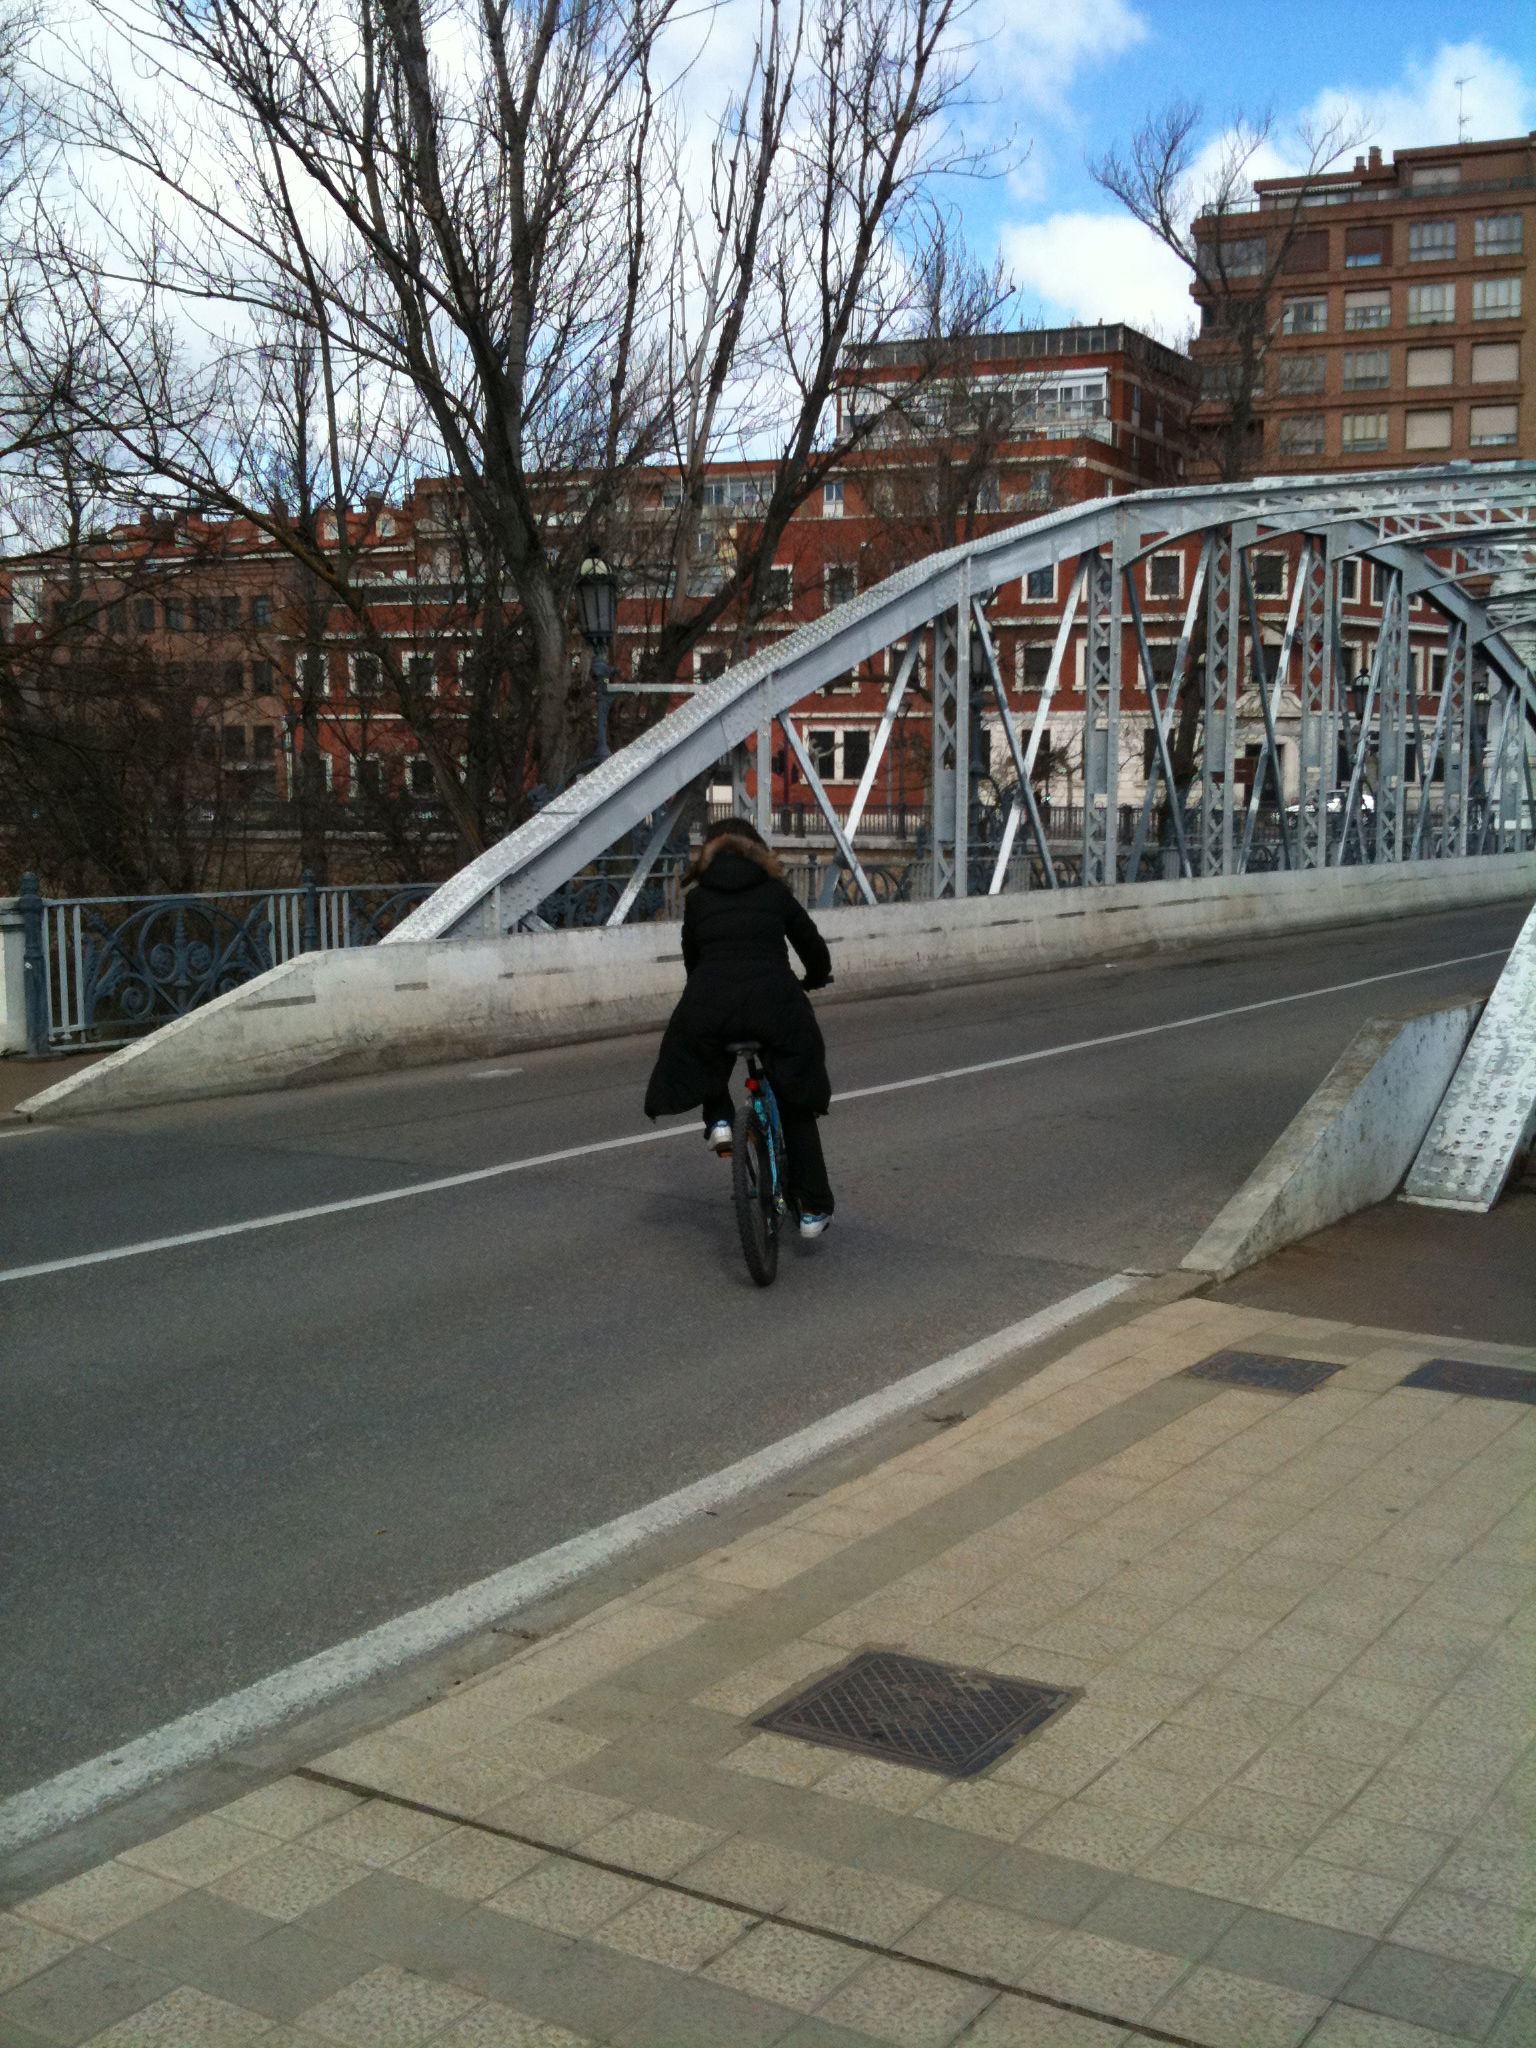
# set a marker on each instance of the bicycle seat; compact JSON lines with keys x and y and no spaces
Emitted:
{"x":744,"y":1045}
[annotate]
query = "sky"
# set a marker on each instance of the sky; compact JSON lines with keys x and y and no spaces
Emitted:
{"x":1077,"y":76}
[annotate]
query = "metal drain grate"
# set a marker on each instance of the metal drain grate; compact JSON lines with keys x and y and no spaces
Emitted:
{"x":911,"y":1711}
{"x":1465,"y":1376}
{"x":1255,"y":1369}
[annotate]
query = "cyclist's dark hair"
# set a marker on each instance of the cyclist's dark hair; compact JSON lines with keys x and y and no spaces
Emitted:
{"x":734,"y":828}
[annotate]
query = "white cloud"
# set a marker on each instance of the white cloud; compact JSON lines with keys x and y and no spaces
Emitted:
{"x":1100,"y":266}
{"x":1424,"y":106}
{"x":1034,"y":55}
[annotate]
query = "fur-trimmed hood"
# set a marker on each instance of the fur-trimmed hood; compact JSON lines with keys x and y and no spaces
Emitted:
{"x":735,"y":843}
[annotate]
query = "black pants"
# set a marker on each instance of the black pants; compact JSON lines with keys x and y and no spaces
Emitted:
{"x":809,"y":1188}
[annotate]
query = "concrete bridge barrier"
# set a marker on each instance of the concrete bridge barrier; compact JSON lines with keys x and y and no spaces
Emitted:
{"x":328,"y":1015}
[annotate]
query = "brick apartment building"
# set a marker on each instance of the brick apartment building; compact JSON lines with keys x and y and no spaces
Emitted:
{"x":1399,"y":317}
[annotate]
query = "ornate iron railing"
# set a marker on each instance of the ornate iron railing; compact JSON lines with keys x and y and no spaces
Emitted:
{"x":101,"y":970}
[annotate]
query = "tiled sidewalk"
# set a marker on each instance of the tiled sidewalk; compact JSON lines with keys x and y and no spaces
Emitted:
{"x":1295,"y":1802}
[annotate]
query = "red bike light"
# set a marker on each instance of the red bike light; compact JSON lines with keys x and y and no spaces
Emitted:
{"x":751,"y":1087}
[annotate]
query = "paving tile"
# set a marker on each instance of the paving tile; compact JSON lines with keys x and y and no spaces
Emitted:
{"x":905,"y":2004}
{"x":1384,"y":1847}
{"x":698,"y":2014}
{"x":1306,"y":1775}
{"x":655,"y":1843}
{"x":289,"y":1807}
{"x":1040,"y":1887}
{"x":286,"y":1880}
{"x":561,"y":1815}
{"x":1132,"y":1787}
{"x":984,"y":1939}
{"x":469,"y":1863}
{"x":670,"y":1928}
{"x":1239,"y":1813}
{"x":1420,"y":1802}
{"x":1107,"y":1836}
{"x":175,"y":1937}
{"x":1107,"y":1976}
{"x":894,"y":1788}
{"x":1347,"y":2026}
{"x":492,"y":1955}
{"x":861,"y":1904}
{"x":26,"y":1949}
{"x":377,"y":1834}
{"x":388,"y":2008}
{"x":1507,"y":1878}
{"x":918,"y":1850}
{"x":499,"y":2026}
{"x":1516,"y":2027}
{"x":1022,"y":2023}
{"x":84,"y":1994}
{"x":1240,"y":1871}
{"x":988,"y":1806}
{"x":197,"y":1851}
{"x":14,"y":2035}
{"x":1434,"y":1991}
{"x":759,"y":1875}
{"x":99,"y":1901}
{"x":811,"y":2032}
{"x":569,"y":1898}
{"x":1295,"y":1953}
{"x":786,"y":1967}
{"x":1221,"y":2010}
{"x":1161,"y":1917}
{"x":282,"y":1974}
{"x":594,"y":1991}
{"x":185,"y":2018}
{"x":1335,"y":1896}
{"x":1473,"y":1930}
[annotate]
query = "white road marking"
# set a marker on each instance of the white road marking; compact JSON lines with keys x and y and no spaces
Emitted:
{"x":483,"y":1173}
{"x":241,"y":1716}
{"x":492,"y":1073}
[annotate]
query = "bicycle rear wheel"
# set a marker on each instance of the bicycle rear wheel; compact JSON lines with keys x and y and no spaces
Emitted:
{"x":757,"y":1216}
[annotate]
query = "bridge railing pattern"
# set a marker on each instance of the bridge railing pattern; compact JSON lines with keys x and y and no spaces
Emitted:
{"x":103,"y":970}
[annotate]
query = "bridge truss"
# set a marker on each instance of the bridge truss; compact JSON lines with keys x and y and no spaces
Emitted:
{"x":1430,"y":532}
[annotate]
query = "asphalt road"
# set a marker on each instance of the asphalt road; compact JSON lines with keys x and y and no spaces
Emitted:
{"x":220,"y":1458}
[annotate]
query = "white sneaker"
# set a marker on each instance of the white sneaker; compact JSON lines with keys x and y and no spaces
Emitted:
{"x":718,"y":1139}
{"x":812,"y":1226}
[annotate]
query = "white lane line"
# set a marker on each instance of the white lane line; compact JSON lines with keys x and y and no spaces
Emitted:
{"x":464,"y":1180}
{"x":241,"y":1716}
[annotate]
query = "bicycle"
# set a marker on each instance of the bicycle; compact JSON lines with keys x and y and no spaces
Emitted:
{"x":757,"y":1169}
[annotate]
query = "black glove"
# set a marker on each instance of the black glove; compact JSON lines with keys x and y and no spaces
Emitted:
{"x":808,"y":984}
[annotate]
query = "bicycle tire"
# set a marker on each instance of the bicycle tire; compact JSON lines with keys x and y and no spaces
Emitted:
{"x":757,"y":1219}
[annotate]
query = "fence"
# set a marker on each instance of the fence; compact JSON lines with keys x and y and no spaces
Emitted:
{"x":101,"y":970}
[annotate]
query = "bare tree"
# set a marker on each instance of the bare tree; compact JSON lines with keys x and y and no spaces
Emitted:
{"x":1203,"y":210}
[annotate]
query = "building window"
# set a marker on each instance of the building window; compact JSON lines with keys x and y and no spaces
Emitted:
{"x":1432,"y":241}
{"x":144,"y":614}
{"x":845,"y":685}
{"x":1496,"y":298}
{"x":384,"y":526}
{"x":1245,"y":258}
{"x":1495,"y":426}
{"x":366,"y":675}
{"x":419,"y":779}
{"x":1495,"y":362}
{"x":1367,"y":369}
{"x":855,"y":753}
{"x":1302,"y":434}
{"x":822,"y":747}
{"x":1367,"y":248}
{"x":204,"y":617}
{"x":1380,"y":583}
{"x":841,"y":583}
{"x":265,"y":738}
{"x":832,"y":501}
{"x":1300,"y":375}
{"x":1431,"y":305}
{"x":261,"y":678}
{"x":1428,"y":429}
{"x":1165,"y":575}
{"x":421,"y":674}
{"x":1040,"y":585}
{"x":1498,"y":234}
{"x":1304,"y":316}
{"x":1368,"y":309}
{"x":779,"y":588}
{"x":1349,"y":580}
{"x":229,"y":614}
{"x":1035,"y":667}
{"x":1427,"y":366}
{"x":1436,"y":178}
{"x":261,"y":611}
{"x":1268,"y":575}
{"x":117,"y":616}
{"x":1307,"y":254}
{"x":234,"y":745}
{"x":312,"y":672}
{"x":1363,"y":431}
{"x":175,"y":615}
{"x":234,"y":678}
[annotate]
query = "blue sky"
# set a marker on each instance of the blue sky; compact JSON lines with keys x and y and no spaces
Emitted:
{"x":1077,"y":76}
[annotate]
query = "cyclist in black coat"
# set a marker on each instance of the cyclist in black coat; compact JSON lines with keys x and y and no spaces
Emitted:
{"x":737,"y":916}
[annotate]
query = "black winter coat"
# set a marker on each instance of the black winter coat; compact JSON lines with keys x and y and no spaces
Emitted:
{"x":736,"y":920}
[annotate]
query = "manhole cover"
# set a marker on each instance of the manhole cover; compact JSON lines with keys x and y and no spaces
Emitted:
{"x":1255,"y":1369}
{"x":1465,"y":1376}
{"x":910,"y":1711}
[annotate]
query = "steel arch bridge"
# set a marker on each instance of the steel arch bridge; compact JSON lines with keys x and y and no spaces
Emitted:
{"x":1428,"y":530}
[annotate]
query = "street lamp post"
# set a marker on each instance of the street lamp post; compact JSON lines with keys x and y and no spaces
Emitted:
{"x":597,"y":604}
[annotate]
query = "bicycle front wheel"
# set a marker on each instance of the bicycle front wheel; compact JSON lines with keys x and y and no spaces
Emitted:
{"x":757,"y":1216}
